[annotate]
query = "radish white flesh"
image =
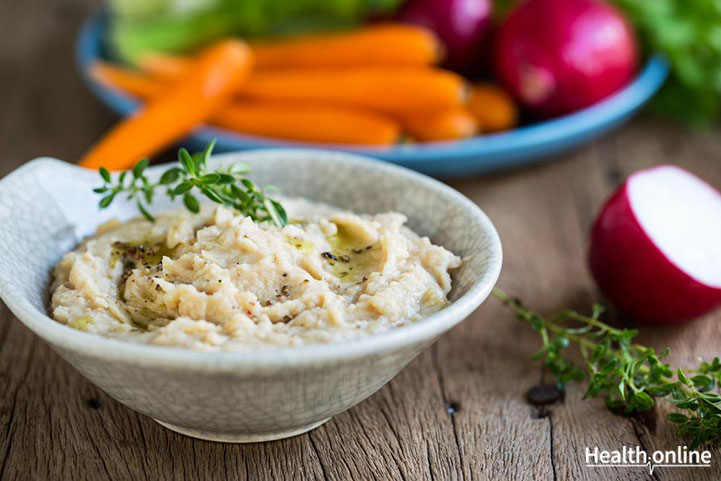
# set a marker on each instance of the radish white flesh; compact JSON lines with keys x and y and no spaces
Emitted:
{"x":682,"y":215}
{"x":656,"y":246}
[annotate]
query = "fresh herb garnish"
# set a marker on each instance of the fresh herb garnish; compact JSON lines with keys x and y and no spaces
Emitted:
{"x":629,"y":376}
{"x":227,"y":187}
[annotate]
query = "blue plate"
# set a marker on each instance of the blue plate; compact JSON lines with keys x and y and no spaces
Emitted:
{"x":484,"y":153}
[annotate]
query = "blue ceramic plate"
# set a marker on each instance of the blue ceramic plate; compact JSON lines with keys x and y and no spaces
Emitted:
{"x":484,"y":153}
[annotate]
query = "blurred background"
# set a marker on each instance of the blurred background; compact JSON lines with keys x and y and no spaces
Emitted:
{"x":47,"y":109}
{"x":448,"y":87}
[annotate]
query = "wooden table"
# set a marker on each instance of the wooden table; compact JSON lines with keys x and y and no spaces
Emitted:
{"x":457,"y":412}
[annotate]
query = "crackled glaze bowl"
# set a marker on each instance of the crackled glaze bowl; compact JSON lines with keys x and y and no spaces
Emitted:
{"x":47,"y":206}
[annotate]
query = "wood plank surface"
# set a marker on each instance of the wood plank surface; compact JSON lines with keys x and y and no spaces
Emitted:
{"x":457,"y":412}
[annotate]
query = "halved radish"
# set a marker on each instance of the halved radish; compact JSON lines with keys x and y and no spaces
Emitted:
{"x":656,"y":246}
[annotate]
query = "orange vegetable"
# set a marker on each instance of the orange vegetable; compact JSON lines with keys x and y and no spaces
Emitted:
{"x":318,"y":123}
{"x":216,"y":73}
{"x":164,"y":66}
{"x":390,"y":90}
{"x":388,"y":44}
{"x":492,"y":107}
{"x":451,"y":124}
{"x":387,"y":89}
{"x":309,"y":123}
{"x":125,"y":80}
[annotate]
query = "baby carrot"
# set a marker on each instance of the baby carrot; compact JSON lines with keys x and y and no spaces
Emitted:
{"x":164,"y":66}
{"x":125,"y":80}
{"x":309,"y":123}
{"x":216,"y":73}
{"x":450,"y":124}
{"x":492,"y":107}
{"x":387,"y":44}
{"x":387,"y":89}
{"x":391,"y":89}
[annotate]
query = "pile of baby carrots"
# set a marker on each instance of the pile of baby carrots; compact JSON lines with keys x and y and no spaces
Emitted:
{"x":373,"y":86}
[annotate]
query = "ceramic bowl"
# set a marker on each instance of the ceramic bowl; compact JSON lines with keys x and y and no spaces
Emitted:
{"x":47,"y":206}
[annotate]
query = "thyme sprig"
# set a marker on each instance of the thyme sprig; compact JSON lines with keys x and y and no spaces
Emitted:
{"x":228,"y":187}
{"x":630,"y":377}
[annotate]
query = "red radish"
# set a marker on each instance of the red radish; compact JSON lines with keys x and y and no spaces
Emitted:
{"x":558,"y":56}
{"x":462,"y":26}
{"x":656,"y":246}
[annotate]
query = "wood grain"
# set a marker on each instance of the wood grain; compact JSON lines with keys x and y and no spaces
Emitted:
{"x":457,"y":412}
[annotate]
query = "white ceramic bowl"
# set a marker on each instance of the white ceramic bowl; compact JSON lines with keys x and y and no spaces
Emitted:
{"x":47,"y":206}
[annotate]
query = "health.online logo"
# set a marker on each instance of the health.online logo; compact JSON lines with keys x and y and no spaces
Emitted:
{"x":636,"y":457}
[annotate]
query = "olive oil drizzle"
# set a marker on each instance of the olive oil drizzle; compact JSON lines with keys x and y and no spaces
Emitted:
{"x":351,"y":260}
{"x":144,"y":254}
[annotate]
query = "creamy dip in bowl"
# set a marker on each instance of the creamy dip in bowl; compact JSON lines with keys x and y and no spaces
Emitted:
{"x":219,"y":280}
{"x":236,"y":384}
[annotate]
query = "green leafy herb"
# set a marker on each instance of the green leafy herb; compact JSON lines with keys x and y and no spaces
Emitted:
{"x":192,"y":177}
{"x":688,"y":33}
{"x":629,"y":376}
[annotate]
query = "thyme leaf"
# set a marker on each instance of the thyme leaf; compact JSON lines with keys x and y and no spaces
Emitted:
{"x":630,"y":377}
{"x":227,"y":187}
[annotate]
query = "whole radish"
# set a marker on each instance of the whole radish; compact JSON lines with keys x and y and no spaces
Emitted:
{"x":461,"y":25}
{"x":655,"y":247}
{"x":558,"y":56}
